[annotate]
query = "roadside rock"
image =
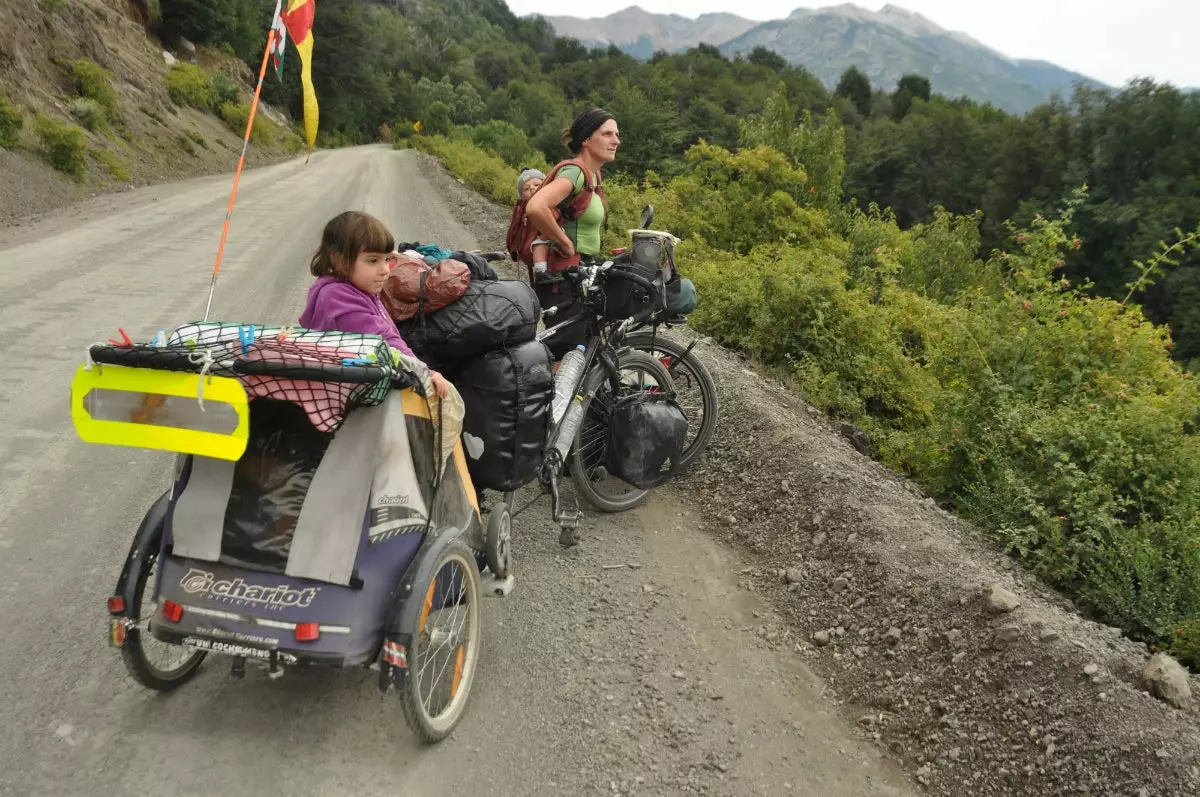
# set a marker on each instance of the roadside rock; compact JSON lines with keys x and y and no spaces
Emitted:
{"x":1007,"y":634}
{"x":793,"y":575}
{"x":1001,"y":601}
{"x":1167,"y":680}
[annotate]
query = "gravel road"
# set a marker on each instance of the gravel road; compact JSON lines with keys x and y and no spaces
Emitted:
{"x":645,"y":679}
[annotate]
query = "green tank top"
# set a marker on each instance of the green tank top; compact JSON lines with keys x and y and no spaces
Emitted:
{"x":586,"y":231}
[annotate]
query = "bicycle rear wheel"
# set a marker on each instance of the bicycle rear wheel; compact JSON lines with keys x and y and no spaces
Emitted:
{"x":638,"y":371}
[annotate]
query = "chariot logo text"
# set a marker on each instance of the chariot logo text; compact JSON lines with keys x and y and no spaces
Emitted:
{"x":237,"y":592}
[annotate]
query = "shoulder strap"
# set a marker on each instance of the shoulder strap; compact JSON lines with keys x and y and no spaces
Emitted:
{"x":587,"y":178}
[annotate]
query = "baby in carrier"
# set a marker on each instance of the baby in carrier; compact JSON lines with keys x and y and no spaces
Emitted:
{"x":524,"y":244}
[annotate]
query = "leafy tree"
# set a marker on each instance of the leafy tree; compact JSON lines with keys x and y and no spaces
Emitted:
{"x":910,"y":87}
{"x":855,"y":86}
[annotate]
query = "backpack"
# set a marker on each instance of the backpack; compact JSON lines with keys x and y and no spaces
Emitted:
{"x":521,"y":233}
{"x":570,"y":209}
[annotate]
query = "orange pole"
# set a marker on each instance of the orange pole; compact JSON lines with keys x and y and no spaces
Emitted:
{"x":237,"y":178}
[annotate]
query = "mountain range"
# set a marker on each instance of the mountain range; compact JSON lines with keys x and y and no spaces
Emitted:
{"x":885,"y":44}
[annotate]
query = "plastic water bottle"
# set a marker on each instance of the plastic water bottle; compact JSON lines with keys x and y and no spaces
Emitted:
{"x":564,"y":382}
{"x":570,"y":425}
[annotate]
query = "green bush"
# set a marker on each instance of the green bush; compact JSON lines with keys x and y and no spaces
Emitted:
{"x":111,"y":163}
{"x":63,"y":146}
{"x":188,"y":84}
{"x":88,"y":113}
{"x":487,"y":174}
{"x":507,"y":141}
{"x":11,"y":122}
{"x":195,"y":137}
{"x":95,"y":83}
{"x":225,"y":88}
{"x":292,"y":143}
{"x":1056,"y":420}
{"x":264,"y":133}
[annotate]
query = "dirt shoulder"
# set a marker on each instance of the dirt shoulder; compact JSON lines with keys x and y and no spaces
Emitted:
{"x":890,"y":600}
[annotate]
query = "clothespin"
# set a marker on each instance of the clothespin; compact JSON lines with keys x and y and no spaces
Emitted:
{"x":283,"y":334}
{"x":124,"y":341}
{"x":191,"y":344}
{"x":355,"y":361}
{"x":246,"y":336}
{"x":160,"y":340}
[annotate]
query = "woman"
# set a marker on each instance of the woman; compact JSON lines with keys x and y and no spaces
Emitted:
{"x":592,"y":140}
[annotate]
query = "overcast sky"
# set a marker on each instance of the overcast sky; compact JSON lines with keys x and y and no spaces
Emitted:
{"x":1110,"y":40}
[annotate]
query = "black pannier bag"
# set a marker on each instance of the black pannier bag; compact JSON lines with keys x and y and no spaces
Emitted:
{"x":507,"y":394}
{"x":489,"y":315}
{"x":647,"y":433}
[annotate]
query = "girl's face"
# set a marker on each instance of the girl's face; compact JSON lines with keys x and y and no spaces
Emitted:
{"x":602,"y":145}
{"x":531,"y":186}
{"x":370,"y":271}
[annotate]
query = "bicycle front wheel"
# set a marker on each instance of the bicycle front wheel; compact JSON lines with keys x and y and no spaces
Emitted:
{"x":638,"y":371}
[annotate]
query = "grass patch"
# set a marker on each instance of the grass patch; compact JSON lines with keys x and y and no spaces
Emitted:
{"x":63,"y":146}
{"x":265,"y":131}
{"x":195,"y":137}
{"x":11,"y":122}
{"x":153,"y":115}
{"x":88,"y":113}
{"x":486,"y":173}
{"x":111,"y":163}
{"x":94,"y":82}
{"x":188,"y":84}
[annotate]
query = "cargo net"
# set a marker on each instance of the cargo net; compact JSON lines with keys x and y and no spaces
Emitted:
{"x":327,"y":374}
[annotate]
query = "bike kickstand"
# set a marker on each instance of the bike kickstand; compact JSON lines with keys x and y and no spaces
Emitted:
{"x":567,"y":518}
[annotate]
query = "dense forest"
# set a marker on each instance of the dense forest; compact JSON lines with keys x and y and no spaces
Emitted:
{"x":973,"y":289}
{"x":466,"y":62}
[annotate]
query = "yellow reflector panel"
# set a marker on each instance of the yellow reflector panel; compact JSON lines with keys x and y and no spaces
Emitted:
{"x":145,"y":408}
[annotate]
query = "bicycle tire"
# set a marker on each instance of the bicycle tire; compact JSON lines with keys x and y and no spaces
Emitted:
{"x":144,"y":671}
{"x":426,"y":727}
{"x":649,"y":342}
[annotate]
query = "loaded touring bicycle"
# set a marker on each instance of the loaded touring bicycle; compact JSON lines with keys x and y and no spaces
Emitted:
{"x":321,"y":512}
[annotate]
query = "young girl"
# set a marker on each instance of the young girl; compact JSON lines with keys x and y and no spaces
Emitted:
{"x":351,"y":266}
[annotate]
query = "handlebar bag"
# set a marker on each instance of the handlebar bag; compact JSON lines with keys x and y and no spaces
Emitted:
{"x":624,"y":299}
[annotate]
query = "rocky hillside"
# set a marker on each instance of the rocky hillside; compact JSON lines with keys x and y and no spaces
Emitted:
{"x":92,"y":100}
{"x":886,"y":45}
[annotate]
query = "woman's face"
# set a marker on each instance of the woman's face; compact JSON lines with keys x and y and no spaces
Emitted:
{"x":602,"y":145}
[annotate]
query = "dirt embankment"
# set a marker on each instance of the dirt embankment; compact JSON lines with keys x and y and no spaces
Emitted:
{"x":970,"y":673}
{"x":153,"y":140}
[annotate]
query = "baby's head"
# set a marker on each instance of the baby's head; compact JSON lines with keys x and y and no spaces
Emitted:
{"x":357,"y":248}
{"x":528,"y":183}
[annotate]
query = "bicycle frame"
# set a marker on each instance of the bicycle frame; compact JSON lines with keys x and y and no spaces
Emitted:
{"x":600,"y":352}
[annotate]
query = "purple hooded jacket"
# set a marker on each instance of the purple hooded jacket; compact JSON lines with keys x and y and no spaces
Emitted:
{"x":336,"y":305}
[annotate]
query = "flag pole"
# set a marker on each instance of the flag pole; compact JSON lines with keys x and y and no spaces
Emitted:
{"x":237,"y":177}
